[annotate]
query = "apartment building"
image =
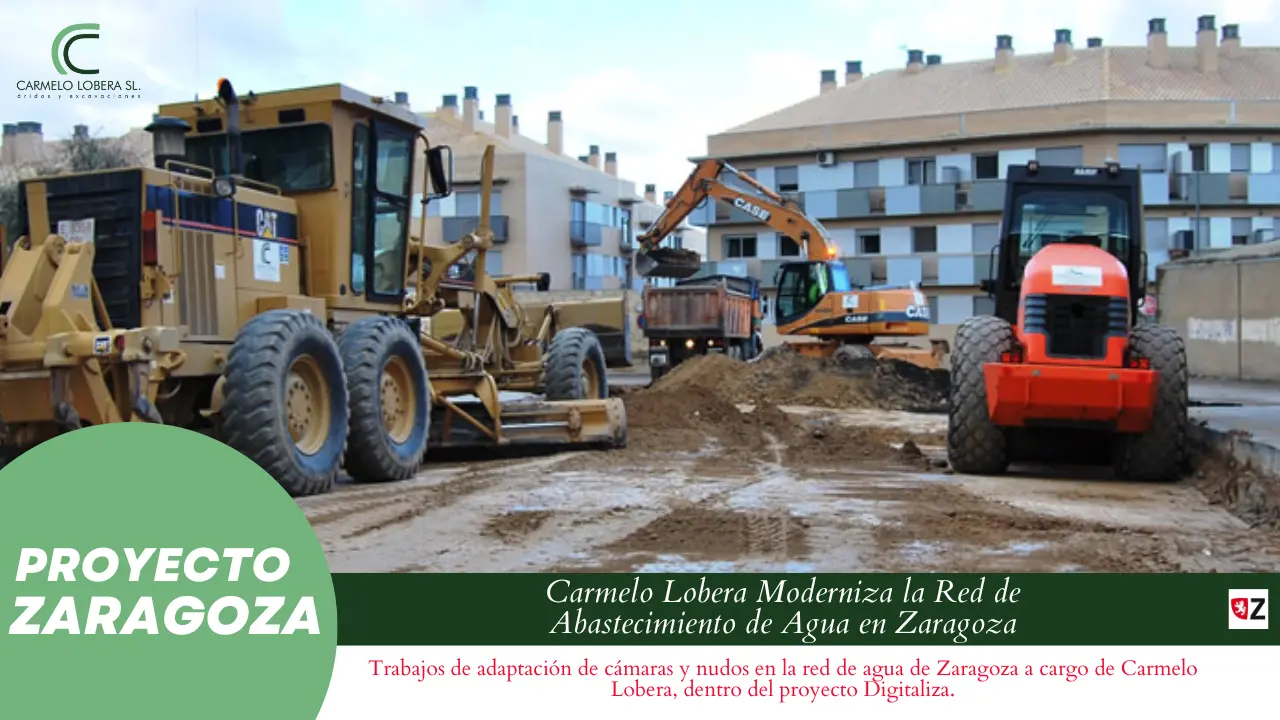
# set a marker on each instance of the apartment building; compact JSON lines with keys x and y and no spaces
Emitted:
{"x":906,"y":167}
{"x":574,"y":218}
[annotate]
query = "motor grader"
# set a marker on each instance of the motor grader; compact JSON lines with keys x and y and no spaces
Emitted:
{"x":261,"y":284}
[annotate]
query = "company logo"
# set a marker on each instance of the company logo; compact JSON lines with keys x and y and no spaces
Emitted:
{"x":751,"y":208}
{"x":65,"y":87}
{"x":62,"y":50}
{"x":1247,"y":609}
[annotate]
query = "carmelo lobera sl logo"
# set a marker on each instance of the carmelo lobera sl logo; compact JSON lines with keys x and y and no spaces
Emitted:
{"x":64,"y":65}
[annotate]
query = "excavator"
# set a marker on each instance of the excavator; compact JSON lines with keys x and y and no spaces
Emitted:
{"x":815,"y":301}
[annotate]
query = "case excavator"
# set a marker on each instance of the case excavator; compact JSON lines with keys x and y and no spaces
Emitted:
{"x":1062,"y":372}
{"x":815,"y":303}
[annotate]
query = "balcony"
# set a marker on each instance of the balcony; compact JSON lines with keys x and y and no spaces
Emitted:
{"x":1202,"y":188}
{"x":455,"y":228}
{"x":586,"y":234}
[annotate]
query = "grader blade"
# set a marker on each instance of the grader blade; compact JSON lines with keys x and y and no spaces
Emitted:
{"x":532,"y":424}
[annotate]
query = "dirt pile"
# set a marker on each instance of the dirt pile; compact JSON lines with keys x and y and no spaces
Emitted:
{"x":1247,"y":492}
{"x":784,"y":377}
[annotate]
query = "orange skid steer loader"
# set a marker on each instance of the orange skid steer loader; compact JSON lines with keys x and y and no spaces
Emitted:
{"x":1062,"y":367}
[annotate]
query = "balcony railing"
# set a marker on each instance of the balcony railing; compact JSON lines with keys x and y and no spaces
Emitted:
{"x":455,"y":228}
{"x":585,"y":234}
{"x":853,"y":203}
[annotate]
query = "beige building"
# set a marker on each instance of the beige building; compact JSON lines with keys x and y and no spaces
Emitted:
{"x":906,"y":167}
{"x":574,"y":218}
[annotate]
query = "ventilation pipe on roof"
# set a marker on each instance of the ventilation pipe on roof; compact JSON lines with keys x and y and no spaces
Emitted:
{"x":1157,"y":44}
{"x":593,"y":156}
{"x":470,"y":107}
{"x":502,"y":116}
{"x":651,"y":194}
{"x":611,"y":163}
{"x":1095,"y":42}
{"x":555,"y":132}
{"x":915,"y":61}
{"x":1004,"y":52}
{"x":1231,"y":40}
{"x":852,"y":71}
{"x":933,"y":60}
{"x":1062,"y":46}
{"x":1207,"y":44}
{"x":449,"y":105}
{"x":515,"y":124}
{"x":828,"y":81}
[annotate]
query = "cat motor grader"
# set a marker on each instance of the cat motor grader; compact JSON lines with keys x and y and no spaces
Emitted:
{"x":260,"y":283}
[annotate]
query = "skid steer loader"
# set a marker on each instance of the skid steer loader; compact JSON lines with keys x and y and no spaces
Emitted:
{"x":1063,"y":369}
{"x":260,"y":283}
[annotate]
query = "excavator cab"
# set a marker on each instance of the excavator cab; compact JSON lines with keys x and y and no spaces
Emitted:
{"x":803,"y":285}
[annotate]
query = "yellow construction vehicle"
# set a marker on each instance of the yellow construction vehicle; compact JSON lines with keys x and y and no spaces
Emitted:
{"x":260,"y":283}
{"x":815,"y":302}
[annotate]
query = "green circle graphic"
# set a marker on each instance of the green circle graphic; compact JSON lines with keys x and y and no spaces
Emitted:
{"x":95,"y":501}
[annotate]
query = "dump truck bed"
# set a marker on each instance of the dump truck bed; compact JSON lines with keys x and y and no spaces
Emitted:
{"x":716,"y":308}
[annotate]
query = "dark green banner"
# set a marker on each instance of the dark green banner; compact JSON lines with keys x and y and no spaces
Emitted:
{"x":834,"y":609}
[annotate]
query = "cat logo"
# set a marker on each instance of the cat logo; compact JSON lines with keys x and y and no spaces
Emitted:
{"x":751,"y":209}
{"x":267,"y":223}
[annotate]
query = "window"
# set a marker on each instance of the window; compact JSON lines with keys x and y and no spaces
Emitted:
{"x":359,"y":206}
{"x":921,"y":171}
{"x":1156,"y":234}
{"x":392,"y":168}
{"x":1072,"y":156}
{"x":1241,"y":157}
{"x":986,"y":166}
{"x":1241,"y":230}
{"x":788,"y":247}
{"x":803,"y":285}
{"x":985,"y":237}
{"x":869,"y":243}
{"x":787,"y":179}
{"x":294,"y":158}
{"x":1149,"y":157}
{"x":740,"y":246}
{"x":1199,"y":158}
{"x":1044,"y":216}
{"x":924,"y":239}
{"x":466,"y":204}
{"x":624,"y":217}
{"x":866,"y":174}
{"x":933,"y":309}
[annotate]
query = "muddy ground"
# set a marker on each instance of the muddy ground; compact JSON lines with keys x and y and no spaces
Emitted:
{"x":793,"y":465}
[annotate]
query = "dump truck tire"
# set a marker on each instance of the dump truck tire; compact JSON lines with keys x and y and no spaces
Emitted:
{"x":1157,"y":454}
{"x":576,"y":366}
{"x":390,"y":400}
{"x":284,"y":379}
{"x":975,"y":445}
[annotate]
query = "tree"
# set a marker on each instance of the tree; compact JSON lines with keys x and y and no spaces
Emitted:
{"x":79,"y":153}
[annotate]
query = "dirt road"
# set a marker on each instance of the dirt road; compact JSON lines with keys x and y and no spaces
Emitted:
{"x":769,"y":487}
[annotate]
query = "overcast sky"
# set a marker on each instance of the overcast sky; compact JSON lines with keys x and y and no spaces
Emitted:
{"x":647,"y":80}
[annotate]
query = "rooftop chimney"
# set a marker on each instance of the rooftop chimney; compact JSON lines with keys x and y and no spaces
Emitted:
{"x":828,"y":81}
{"x":584,"y":159}
{"x":1095,"y":42}
{"x":449,"y":106}
{"x":1062,"y":46}
{"x":1157,"y":44}
{"x":666,"y":196}
{"x":555,"y":132}
{"x":1231,"y":40}
{"x":852,"y":71}
{"x":611,"y":163}
{"x":915,"y":60}
{"x":593,"y":156}
{"x":933,"y":60}
{"x":515,"y":124}
{"x":1207,"y":44}
{"x":1004,"y":52}
{"x":651,"y":193}
{"x":470,"y":107}
{"x":502,"y":116}
{"x":402,"y":98}
{"x":82,"y":132}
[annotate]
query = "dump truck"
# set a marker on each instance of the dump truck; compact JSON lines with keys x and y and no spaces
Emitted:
{"x":1064,"y":368}
{"x":697,"y":316}
{"x":261,"y":284}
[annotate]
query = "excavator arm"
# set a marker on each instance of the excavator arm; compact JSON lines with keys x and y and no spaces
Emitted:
{"x":781,"y":214}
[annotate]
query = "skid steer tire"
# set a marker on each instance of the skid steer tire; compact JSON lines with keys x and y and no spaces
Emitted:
{"x":575,"y":367}
{"x":1157,"y":455}
{"x":975,"y":445}
{"x":285,"y":360}
{"x":390,"y":400}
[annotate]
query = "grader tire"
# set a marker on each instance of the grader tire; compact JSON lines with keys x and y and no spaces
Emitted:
{"x":285,"y":400}
{"x":576,"y":367}
{"x":975,"y":445}
{"x":390,"y":400}
{"x":1157,"y":454}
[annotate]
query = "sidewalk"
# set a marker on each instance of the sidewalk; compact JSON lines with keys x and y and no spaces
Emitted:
{"x":1249,"y":407}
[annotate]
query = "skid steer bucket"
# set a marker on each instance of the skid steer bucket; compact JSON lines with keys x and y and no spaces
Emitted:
{"x":669,"y":263}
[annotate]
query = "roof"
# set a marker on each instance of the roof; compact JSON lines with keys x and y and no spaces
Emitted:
{"x":1092,"y":75}
{"x":333,"y":92}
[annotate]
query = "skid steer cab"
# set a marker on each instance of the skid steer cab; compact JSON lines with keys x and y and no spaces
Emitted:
{"x":1062,"y":371}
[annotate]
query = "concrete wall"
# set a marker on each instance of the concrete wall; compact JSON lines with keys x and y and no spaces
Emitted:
{"x":1228,"y":310}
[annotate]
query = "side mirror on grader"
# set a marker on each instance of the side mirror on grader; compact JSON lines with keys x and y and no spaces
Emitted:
{"x":1063,"y":365}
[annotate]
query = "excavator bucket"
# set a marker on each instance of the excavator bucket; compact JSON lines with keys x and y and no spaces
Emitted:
{"x":669,"y":263}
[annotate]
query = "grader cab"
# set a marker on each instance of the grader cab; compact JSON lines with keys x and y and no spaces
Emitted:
{"x":261,"y":283}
